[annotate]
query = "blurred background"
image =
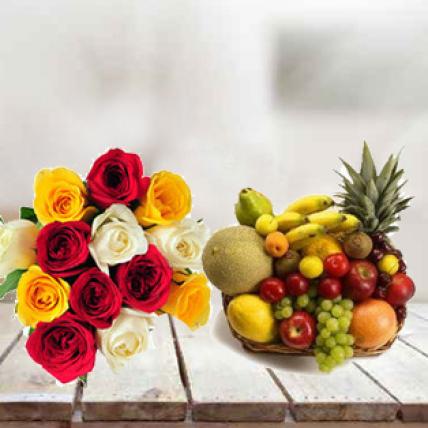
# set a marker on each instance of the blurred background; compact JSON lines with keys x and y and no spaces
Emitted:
{"x":228,"y":93}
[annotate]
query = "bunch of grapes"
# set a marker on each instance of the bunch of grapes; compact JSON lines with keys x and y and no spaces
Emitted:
{"x":333,"y":343}
{"x":305,"y":302}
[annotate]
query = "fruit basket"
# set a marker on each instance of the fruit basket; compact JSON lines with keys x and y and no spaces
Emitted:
{"x":323,"y":277}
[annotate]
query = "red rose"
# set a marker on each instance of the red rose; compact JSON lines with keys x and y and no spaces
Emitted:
{"x":95,"y":298}
{"x":116,"y":177}
{"x":62,"y":248}
{"x":64,"y":347}
{"x":145,"y":280}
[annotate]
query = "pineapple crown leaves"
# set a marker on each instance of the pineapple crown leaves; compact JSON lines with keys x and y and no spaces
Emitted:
{"x":374,"y":198}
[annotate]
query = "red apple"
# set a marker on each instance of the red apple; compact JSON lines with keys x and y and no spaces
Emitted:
{"x":329,"y":288}
{"x":298,"y":331}
{"x":297,"y":284}
{"x":337,"y":265}
{"x":400,"y":290}
{"x":360,"y":282}
{"x":272,"y":289}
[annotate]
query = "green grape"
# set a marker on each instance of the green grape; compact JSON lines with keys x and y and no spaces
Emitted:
{"x":320,"y":326}
{"x":348,"y":314}
{"x":337,"y":299}
{"x":325,"y":333}
{"x":320,"y":357}
{"x":350,"y":340}
{"x":344,"y":324}
{"x":286,"y":301}
{"x":318,"y":310}
{"x":347,"y":304}
{"x":287,"y":312}
{"x":323,"y":317}
{"x":302,"y":301}
{"x":311,"y":306}
{"x":326,"y":305}
{"x":319,"y":341}
{"x":278,"y":315}
{"x":317,"y":350}
{"x":330,"y":342}
{"x":332,"y":324}
{"x":324,"y":368}
{"x":338,"y":353}
{"x":349,"y":352}
{"x":337,"y":311}
{"x":312,"y":291}
{"x":330,"y":361}
{"x":341,"y":338}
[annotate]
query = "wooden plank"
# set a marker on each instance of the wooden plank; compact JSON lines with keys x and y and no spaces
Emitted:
{"x":346,"y":394}
{"x":148,"y":388}
{"x":10,"y":328}
{"x":289,"y":423}
{"x":27,"y":392}
{"x":223,"y":386}
{"x":420,"y":309}
{"x":403,"y":372}
{"x":415,"y":333}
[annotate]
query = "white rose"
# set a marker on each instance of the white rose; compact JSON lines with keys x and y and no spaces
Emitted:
{"x":17,"y":245}
{"x":127,"y":337}
{"x":181,"y":243}
{"x":116,"y":237}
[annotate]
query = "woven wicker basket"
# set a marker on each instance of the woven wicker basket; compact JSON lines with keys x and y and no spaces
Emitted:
{"x":280,"y":348}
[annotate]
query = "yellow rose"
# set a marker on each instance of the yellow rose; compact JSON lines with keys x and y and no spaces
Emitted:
{"x":168,"y":199}
{"x":41,"y":297}
{"x":60,"y":195}
{"x":189,"y":299}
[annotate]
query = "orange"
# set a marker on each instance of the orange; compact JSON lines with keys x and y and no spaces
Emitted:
{"x":374,"y":323}
{"x":276,"y":244}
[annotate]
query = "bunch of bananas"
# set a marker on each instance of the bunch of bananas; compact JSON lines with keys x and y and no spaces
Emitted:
{"x":309,"y":217}
{"x":302,"y":222}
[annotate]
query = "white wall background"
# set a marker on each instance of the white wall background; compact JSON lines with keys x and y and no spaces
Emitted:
{"x":228,"y":93}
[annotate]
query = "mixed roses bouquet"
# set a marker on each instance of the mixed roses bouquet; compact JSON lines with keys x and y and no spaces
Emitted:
{"x":94,"y":262}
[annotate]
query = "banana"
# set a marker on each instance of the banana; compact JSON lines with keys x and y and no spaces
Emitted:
{"x":302,"y":243}
{"x":350,"y":224}
{"x":305,"y":231}
{"x":289,"y":219}
{"x":311,"y":204}
{"x":328,"y":219}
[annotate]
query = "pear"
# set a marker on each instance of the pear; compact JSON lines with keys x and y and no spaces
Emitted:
{"x":250,"y":206}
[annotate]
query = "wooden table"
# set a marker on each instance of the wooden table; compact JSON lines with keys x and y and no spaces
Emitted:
{"x":190,"y":381}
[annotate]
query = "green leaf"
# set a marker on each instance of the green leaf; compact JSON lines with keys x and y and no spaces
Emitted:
{"x":356,"y":178}
{"x":386,"y":173}
{"x":395,"y":179}
{"x":1,"y":219}
{"x":369,"y":206}
{"x":368,"y":169}
{"x":11,"y":282}
{"x":27,"y":213}
{"x":390,"y":229}
{"x":372,"y":192}
{"x":84,"y":379}
{"x":356,"y":210}
{"x":189,"y":271}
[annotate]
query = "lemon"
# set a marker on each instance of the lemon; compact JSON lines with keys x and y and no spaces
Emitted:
{"x":266,"y":224}
{"x":252,"y":318}
{"x":311,"y":267}
{"x":389,"y":264}
{"x":323,"y":246}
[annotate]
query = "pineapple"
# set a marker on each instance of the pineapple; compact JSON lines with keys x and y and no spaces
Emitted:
{"x":375,"y":199}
